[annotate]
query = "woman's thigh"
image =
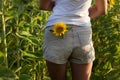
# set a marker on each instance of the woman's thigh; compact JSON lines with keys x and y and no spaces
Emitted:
{"x":81,"y":71}
{"x":56,"y":71}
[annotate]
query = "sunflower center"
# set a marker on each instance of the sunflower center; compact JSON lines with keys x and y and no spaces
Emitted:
{"x":59,"y":29}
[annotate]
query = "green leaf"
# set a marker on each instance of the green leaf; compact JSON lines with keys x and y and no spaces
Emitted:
{"x":28,"y":54}
{"x":25,"y":77}
{"x":8,"y":18}
{"x":6,"y":74}
{"x":1,"y":57}
{"x":62,"y":36}
{"x":25,"y":33}
{"x":29,"y":37}
{"x":18,"y":69}
{"x":26,"y":38}
{"x":37,"y":18}
{"x":0,"y":39}
{"x":51,"y":30}
{"x":1,"y":13}
{"x":69,"y":28}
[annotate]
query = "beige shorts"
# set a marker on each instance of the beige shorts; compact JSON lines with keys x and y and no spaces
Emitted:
{"x":76,"y":46}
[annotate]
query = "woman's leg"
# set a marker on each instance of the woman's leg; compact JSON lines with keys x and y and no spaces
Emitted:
{"x":81,"y":71}
{"x":56,"y":71}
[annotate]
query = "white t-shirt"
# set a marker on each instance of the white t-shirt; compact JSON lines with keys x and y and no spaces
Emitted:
{"x":73,"y":12}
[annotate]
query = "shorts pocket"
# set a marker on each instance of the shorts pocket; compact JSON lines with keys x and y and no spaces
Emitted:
{"x":49,"y":36}
{"x":85,"y":39}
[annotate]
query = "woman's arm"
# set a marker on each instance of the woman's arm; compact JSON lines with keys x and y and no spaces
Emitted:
{"x":99,"y":9}
{"x":46,"y":5}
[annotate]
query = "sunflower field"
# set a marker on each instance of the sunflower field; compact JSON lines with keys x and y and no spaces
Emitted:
{"x":22,"y":27}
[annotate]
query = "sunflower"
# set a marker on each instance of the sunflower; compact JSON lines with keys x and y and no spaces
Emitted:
{"x":59,"y":29}
{"x":111,"y":2}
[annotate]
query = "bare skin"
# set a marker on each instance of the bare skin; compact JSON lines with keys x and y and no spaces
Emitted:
{"x":56,"y":71}
{"x":79,"y":71}
{"x":99,"y":9}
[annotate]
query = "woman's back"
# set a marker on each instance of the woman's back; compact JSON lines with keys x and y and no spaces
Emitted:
{"x":71,"y":12}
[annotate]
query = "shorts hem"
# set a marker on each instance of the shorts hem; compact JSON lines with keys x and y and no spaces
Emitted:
{"x":55,"y":61}
{"x":84,"y":62}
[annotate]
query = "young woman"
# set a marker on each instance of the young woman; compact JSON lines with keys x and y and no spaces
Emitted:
{"x":76,"y":47}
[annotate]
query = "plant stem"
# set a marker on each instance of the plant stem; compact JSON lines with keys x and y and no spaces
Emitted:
{"x":4,"y":35}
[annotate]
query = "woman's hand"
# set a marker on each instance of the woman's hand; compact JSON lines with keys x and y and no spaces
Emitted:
{"x":47,"y":5}
{"x":99,"y":9}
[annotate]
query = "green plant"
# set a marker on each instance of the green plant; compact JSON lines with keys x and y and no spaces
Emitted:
{"x":22,"y":27}
{"x":106,"y":31}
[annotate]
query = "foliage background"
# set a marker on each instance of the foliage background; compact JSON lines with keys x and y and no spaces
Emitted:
{"x":21,"y":37}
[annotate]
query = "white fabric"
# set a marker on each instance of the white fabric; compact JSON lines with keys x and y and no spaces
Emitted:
{"x":73,"y":12}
